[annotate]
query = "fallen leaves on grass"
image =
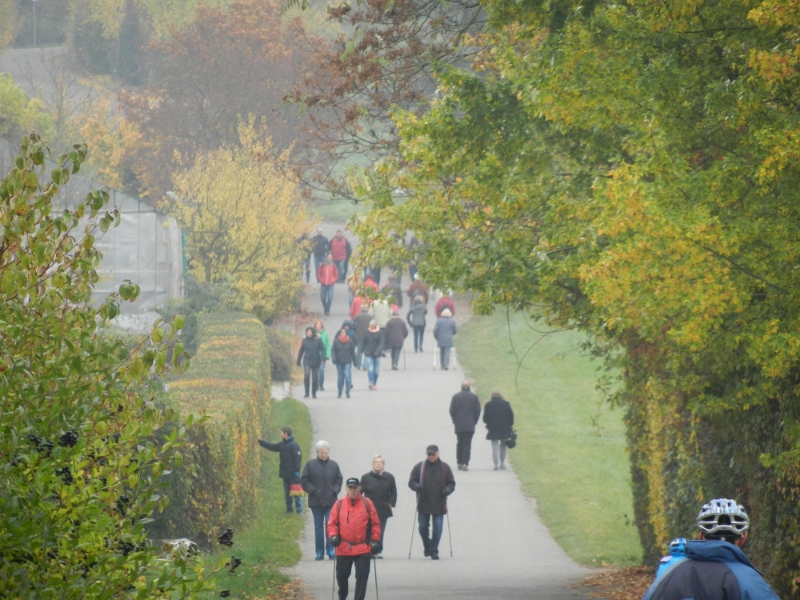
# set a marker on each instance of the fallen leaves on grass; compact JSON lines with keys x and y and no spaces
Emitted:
{"x":619,"y":584}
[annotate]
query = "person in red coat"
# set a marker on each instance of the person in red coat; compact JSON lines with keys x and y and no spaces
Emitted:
{"x":441,"y":304}
{"x":327,"y":275}
{"x":355,"y":531}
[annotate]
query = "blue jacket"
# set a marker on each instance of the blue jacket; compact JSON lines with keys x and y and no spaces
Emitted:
{"x":708,"y":570}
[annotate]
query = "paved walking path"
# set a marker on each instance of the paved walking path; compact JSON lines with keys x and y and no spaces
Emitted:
{"x":500,"y":548}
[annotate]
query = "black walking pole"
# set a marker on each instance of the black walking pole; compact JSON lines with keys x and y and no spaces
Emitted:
{"x":375,"y":565}
{"x":412,"y":534}
{"x":449,"y":535}
{"x":333,"y":581}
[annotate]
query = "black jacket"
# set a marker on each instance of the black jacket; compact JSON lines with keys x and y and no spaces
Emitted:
{"x":321,"y":245}
{"x":395,"y":332}
{"x":373,"y":343}
{"x":499,"y":418}
{"x":343,"y":353}
{"x":362,"y":325}
{"x":433,"y":482}
{"x":465,"y":410}
{"x":312,"y":352}
{"x":291,"y":457}
{"x":382,"y":490}
{"x":322,"y":481}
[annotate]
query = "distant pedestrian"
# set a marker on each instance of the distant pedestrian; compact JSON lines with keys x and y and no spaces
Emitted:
{"x":340,"y":252}
{"x":291,"y":458}
{"x":320,"y":248}
{"x":354,"y":529}
{"x":304,"y":243}
{"x":417,"y":288}
{"x":322,"y":481}
{"x":381,"y":311}
{"x":343,"y":355}
{"x":392,"y":289}
{"x":416,"y":318}
{"x":499,"y":418}
{"x":433,"y":481}
{"x":395,"y":334}
{"x":415,"y":250}
{"x":311,"y":353}
{"x":319,"y":327}
{"x":465,"y":410}
{"x":361,"y":321}
{"x":442,"y":303}
{"x":379,"y":486}
{"x":443,"y":333}
{"x":373,"y":350}
{"x":327,"y":275}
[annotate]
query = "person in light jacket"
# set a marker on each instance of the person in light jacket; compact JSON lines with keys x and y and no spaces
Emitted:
{"x":322,"y":481}
{"x":443,"y":332}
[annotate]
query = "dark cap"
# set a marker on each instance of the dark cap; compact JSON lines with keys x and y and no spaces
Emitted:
{"x":432,"y":449}
{"x":353,"y":482}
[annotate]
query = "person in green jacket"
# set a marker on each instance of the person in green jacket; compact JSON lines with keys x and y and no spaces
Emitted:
{"x":326,"y":341}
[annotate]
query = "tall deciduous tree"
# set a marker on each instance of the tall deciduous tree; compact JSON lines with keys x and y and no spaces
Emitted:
{"x":241,"y":219}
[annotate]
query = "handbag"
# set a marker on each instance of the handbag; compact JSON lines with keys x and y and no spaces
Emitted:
{"x":511,"y":441}
{"x":295,"y":489}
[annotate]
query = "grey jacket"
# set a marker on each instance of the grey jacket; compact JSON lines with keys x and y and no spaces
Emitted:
{"x":465,"y":410}
{"x":322,"y":481}
{"x":443,"y":331}
{"x":416,"y":315}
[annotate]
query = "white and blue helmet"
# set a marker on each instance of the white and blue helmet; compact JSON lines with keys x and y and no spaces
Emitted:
{"x":722,"y":519}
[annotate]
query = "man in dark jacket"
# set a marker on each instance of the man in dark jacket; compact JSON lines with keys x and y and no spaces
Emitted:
{"x":465,"y":410}
{"x":320,"y":246}
{"x":373,"y":350}
{"x":312,"y":354}
{"x":393,"y":288}
{"x":395,"y":334}
{"x":343,"y":355}
{"x":499,"y":419}
{"x":713,"y":567}
{"x":433,"y":481}
{"x":379,"y":486}
{"x":290,"y":460}
{"x":322,"y":481}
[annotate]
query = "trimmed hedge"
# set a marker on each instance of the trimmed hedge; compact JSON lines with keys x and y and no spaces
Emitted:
{"x":228,"y":382}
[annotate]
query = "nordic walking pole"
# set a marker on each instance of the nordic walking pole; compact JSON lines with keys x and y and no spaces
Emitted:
{"x":412,"y":534}
{"x":375,"y":568}
{"x":333,"y":581}
{"x":449,"y":535}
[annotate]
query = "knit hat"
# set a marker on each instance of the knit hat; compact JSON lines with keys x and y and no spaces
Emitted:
{"x":446,"y":313}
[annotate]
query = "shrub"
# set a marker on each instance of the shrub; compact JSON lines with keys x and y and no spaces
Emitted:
{"x":281,"y":354}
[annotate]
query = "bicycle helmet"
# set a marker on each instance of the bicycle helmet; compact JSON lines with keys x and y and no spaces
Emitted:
{"x":723,"y":519}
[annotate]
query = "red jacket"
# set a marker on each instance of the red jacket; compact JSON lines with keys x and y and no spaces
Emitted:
{"x":327,"y":274}
{"x":338,"y":248}
{"x":348,"y":520}
{"x":441,"y":304}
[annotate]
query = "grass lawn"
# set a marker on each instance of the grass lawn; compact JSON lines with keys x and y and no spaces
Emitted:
{"x":271,"y":541}
{"x":570,"y":453}
{"x":336,"y":211}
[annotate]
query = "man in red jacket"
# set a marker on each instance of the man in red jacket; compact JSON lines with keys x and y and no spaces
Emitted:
{"x":354,"y":529}
{"x":340,"y":253}
{"x":327,"y":275}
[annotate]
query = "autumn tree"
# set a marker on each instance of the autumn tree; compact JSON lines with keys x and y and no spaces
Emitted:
{"x":227,"y":64}
{"x":241,"y":218}
{"x":628,"y":169}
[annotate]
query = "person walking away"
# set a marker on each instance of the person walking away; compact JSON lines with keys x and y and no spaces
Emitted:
{"x":443,"y":333}
{"x":465,"y":410}
{"x":415,"y":250}
{"x":373,"y":350}
{"x":343,"y":355}
{"x":379,"y":486}
{"x":319,"y":327}
{"x":499,"y":418}
{"x":442,"y":303}
{"x":311,"y":353}
{"x":339,"y":254}
{"x":354,"y":529}
{"x":433,"y":481}
{"x":395,"y":334}
{"x":327,"y":275}
{"x":322,"y":481}
{"x":381,"y":312}
{"x":361,"y":326}
{"x":418,"y":288}
{"x":392,"y":288}
{"x":320,"y":248}
{"x":416,"y":318}
{"x":291,"y":457}
{"x":713,"y":567}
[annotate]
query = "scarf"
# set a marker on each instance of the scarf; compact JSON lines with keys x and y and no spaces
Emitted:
{"x":343,"y":337}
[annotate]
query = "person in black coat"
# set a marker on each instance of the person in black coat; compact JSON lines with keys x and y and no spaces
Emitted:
{"x":322,"y":481}
{"x":433,"y":481}
{"x":373,"y":350}
{"x":320,"y":246}
{"x":291,"y":457}
{"x":311,"y":353}
{"x":465,"y":410}
{"x":379,"y":486}
{"x":499,"y":419}
{"x":343,"y":355}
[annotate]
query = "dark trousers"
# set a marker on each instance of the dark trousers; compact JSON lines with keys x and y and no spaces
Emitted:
{"x":463,"y":446}
{"x":396,"y":356}
{"x":419,"y":333}
{"x":311,"y":373}
{"x":307,"y":267}
{"x":341,"y":266}
{"x":344,"y":565}
{"x":298,"y":500}
{"x":384,"y":520}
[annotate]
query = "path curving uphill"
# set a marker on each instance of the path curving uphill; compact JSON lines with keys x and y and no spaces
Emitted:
{"x":500,"y":548}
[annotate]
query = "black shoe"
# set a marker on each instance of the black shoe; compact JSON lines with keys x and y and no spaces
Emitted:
{"x":313,"y":396}
{"x":425,"y":552}
{"x":289,"y":512}
{"x":305,"y":395}
{"x":434,"y":556}
{"x":321,"y":389}
{"x":339,"y":396}
{"x":348,"y":395}
{"x":466,"y":468}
